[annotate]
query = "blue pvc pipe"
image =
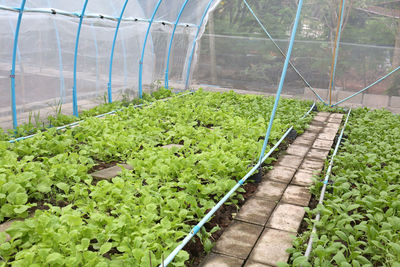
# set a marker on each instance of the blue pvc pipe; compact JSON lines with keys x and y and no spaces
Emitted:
{"x":369,"y":86}
{"x":337,"y":46}
{"x":323,"y":190}
{"x":60,"y":61}
{"x":112,"y":52}
{"x":171,"y":41}
{"x":283,"y":76}
{"x":74,"y":94}
{"x":197,"y":228}
{"x":194,"y":43}
{"x":281,"y":51}
{"x":12,"y":76}
{"x":144,"y":48}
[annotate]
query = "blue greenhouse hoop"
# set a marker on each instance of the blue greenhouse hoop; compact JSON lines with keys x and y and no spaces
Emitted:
{"x":12,"y":75}
{"x":112,"y":52}
{"x":194,"y":43}
{"x":74,"y":93}
{"x":144,"y":48}
{"x":171,"y":41}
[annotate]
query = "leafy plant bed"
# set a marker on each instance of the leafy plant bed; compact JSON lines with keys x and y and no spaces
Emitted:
{"x":142,"y":213}
{"x":360,"y":217}
{"x":35,"y":124}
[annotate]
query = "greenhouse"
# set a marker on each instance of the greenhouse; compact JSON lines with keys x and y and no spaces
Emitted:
{"x":199,"y":133}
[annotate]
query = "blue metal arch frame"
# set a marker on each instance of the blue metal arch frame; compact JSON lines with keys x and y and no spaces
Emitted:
{"x":194,"y":43}
{"x":14,"y":56}
{"x":74,"y":94}
{"x":112,"y":52}
{"x":60,"y":60}
{"x":144,"y":48}
{"x":171,"y":41}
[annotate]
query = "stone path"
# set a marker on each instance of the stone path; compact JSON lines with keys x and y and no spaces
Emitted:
{"x":266,"y":224}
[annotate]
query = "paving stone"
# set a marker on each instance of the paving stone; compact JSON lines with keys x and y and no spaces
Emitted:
{"x":172,"y":145}
{"x":286,"y":217}
{"x":290,"y":161}
{"x":312,"y":164}
{"x":110,"y":173}
{"x":217,"y":260}
{"x":256,"y":210}
{"x":297,"y":150}
{"x":330,"y":135}
{"x":333,"y":125}
{"x":337,"y":116}
{"x":297,"y":195}
{"x":256,"y":264}
{"x":271,"y":247}
{"x":322,"y":118}
{"x":308,"y":135}
{"x":335,"y":120}
{"x":327,"y":114}
{"x":270,"y":190}
{"x":330,"y":130}
{"x":303,"y":178}
{"x":323,"y":144}
{"x":317,"y":125}
{"x":281,"y":174}
{"x":316,"y":128}
{"x":304,"y":141}
{"x":318,"y":153}
{"x":238,"y":239}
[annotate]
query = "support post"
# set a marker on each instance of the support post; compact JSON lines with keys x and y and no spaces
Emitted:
{"x":171,"y":41}
{"x":144,"y":48}
{"x":74,"y":93}
{"x":12,"y":75}
{"x":112,"y":52}
{"x":189,"y":66}
{"x":283,"y":76}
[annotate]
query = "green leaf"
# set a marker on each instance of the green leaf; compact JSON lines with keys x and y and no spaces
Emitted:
{"x":63,"y":186}
{"x":105,"y":248}
{"x":54,"y":258}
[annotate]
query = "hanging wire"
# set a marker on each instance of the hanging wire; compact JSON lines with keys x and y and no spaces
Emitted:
{"x":336,"y":49}
{"x":282,"y":53}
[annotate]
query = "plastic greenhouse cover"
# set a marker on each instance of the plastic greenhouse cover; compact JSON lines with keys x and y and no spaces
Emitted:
{"x":45,"y":51}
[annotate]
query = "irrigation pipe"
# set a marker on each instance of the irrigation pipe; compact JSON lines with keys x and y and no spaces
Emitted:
{"x":281,"y":51}
{"x":197,"y":228}
{"x":323,"y":190}
{"x":74,"y":124}
{"x":369,"y":86}
{"x":91,"y":15}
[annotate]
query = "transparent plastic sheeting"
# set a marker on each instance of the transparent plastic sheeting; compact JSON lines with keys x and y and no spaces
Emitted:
{"x":247,"y":59}
{"x":45,"y":52}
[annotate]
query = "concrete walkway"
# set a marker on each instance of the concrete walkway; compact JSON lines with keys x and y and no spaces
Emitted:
{"x":266,"y":224}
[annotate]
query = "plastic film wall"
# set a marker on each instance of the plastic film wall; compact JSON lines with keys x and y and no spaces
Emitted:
{"x":245,"y":58}
{"x":47,"y":53}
